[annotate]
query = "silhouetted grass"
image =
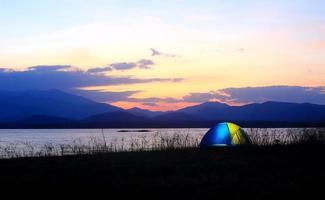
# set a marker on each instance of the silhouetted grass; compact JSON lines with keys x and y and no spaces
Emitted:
{"x":260,"y":137}
{"x":172,"y":167}
{"x":290,"y":136}
{"x":97,"y":145}
{"x":268,"y":172}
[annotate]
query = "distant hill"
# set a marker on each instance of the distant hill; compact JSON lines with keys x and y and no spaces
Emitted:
{"x":18,"y":105}
{"x":119,"y":116}
{"x":143,"y":112}
{"x":36,"y":107}
{"x":43,"y":119}
{"x":204,"y":115}
{"x":269,"y":111}
{"x":119,"y":119}
{"x":176,"y":116}
{"x":207,"y":107}
{"x":208,"y":111}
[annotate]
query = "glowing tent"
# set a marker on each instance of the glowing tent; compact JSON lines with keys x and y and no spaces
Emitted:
{"x":225,"y":134}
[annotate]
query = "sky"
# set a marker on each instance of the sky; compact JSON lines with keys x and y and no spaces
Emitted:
{"x":165,"y":55}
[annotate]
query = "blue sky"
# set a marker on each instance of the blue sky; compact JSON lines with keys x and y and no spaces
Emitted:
{"x":206,"y":46}
{"x":25,"y":17}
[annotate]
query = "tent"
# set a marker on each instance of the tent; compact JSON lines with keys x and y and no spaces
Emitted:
{"x":225,"y":134}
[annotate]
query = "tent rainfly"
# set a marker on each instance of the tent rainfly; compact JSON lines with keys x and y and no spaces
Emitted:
{"x":225,"y":134}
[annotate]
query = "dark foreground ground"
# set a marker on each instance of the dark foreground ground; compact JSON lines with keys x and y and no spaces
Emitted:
{"x":234,"y":173}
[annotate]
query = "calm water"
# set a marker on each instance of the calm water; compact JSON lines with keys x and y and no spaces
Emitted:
{"x":67,"y":136}
{"x":34,"y":142}
{"x":39,"y":137}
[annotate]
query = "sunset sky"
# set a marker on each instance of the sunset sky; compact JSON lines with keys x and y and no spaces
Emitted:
{"x":166,"y":54}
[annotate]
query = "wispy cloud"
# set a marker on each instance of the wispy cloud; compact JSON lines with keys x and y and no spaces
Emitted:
{"x":145,"y":63}
{"x":106,"y":96}
{"x":4,"y":69}
{"x":155,"y":100}
{"x":123,"y":65}
{"x":199,"y":97}
{"x":48,"y":68}
{"x":67,"y":78}
{"x":151,"y":104}
{"x":297,"y":94}
{"x":294,"y":94}
{"x":155,"y":52}
{"x":99,"y":69}
{"x":142,"y":64}
{"x":70,"y":79}
{"x":241,"y":50}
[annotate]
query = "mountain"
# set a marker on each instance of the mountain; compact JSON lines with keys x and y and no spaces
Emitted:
{"x":143,"y":112}
{"x":268,"y":111}
{"x":269,"y":114}
{"x":205,"y":107}
{"x":43,"y":119}
{"x":208,"y":110}
{"x":176,"y":116}
{"x":37,"y":107}
{"x":279,"y":111}
{"x":119,"y":116}
{"x":18,"y":105}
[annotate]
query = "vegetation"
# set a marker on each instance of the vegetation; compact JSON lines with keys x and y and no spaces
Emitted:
{"x":157,"y":142}
{"x":171,"y":166}
{"x":268,"y":172}
{"x":290,"y":136}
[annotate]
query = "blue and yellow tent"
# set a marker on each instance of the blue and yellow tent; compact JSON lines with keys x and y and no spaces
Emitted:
{"x":225,"y":134}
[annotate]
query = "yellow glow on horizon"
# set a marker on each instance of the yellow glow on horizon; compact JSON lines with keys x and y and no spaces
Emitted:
{"x":207,"y":59}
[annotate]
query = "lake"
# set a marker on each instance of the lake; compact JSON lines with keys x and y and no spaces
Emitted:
{"x":68,"y":136}
{"x":29,"y":141}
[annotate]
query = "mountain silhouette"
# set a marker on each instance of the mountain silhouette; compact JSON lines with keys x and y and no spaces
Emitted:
{"x":207,"y":110}
{"x":174,"y":116}
{"x":143,"y":112}
{"x":18,"y":105}
{"x":57,"y":107}
{"x":119,"y":116}
{"x":43,"y":119}
{"x":268,"y":111}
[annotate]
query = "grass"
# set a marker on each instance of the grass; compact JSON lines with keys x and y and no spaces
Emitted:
{"x":291,"y":136}
{"x":267,"y":172}
{"x":172,"y":167}
{"x":157,"y":142}
{"x":96,"y":145}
